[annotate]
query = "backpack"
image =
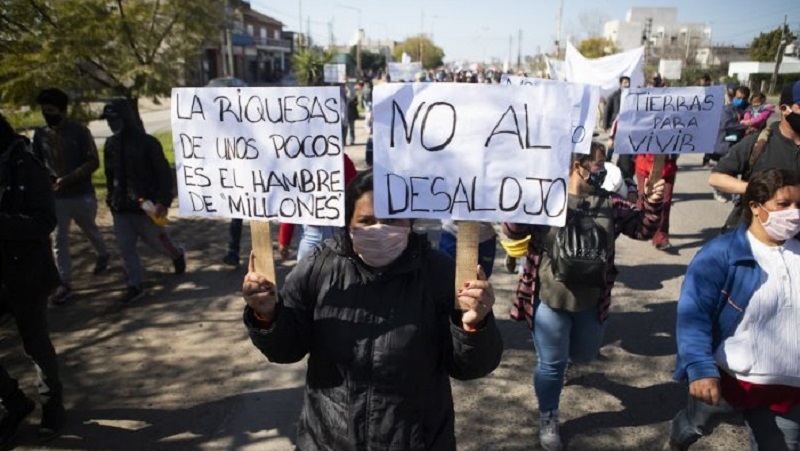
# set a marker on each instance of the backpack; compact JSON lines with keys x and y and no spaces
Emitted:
{"x":735,"y":216}
{"x":579,"y":254}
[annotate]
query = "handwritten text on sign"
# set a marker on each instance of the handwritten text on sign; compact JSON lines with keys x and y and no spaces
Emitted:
{"x":585,"y":99}
{"x":669,"y":120}
{"x":260,"y":153}
{"x":472,"y":152}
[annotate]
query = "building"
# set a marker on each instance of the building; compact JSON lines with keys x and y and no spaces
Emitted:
{"x":660,"y":30}
{"x":253,"y":47}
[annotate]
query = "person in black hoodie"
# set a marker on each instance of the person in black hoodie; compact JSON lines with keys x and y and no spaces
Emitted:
{"x":138,"y":177}
{"x":28,"y":275}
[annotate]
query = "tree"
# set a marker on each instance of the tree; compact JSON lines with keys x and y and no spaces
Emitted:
{"x":765,"y":46}
{"x":597,"y":47}
{"x":309,"y":65}
{"x":127,"y":48}
{"x":431,"y":55}
{"x":369,"y":60}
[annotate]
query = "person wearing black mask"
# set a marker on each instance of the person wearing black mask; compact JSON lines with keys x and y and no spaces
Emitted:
{"x":27,"y":276}
{"x":137,"y":176}
{"x":775,"y":147}
{"x":67,"y":148}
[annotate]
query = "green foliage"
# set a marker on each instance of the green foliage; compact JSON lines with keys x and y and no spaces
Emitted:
{"x":308,"y":64}
{"x":369,"y":60}
{"x":96,"y":48}
{"x":597,"y":47}
{"x":431,"y":55}
{"x":765,"y":46}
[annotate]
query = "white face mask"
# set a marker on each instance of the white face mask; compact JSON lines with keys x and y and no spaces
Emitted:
{"x":380,"y":244}
{"x":782,"y":225}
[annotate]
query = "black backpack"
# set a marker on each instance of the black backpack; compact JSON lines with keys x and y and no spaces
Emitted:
{"x":579,"y":254}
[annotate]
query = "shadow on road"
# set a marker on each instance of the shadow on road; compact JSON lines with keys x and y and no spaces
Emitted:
{"x":648,"y":277}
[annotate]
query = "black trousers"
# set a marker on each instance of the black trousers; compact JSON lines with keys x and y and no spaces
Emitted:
{"x":30,"y":314}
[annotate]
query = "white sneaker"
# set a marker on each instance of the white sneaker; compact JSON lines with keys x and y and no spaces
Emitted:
{"x":549,"y":435}
{"x":719,"y":197}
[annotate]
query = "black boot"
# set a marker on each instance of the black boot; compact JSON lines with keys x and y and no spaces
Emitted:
{"x":53,"y":418}
{"x":18,"y":406}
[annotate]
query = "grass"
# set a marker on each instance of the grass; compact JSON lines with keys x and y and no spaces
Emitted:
{"x":99,"y":176}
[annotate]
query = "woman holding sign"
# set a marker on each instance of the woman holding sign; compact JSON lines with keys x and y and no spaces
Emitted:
{"x":374,"y":310}
{"x":565,"y":288}
{"x":738,"y":316}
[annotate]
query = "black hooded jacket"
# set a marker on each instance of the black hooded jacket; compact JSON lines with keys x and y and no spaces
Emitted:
{"x":27,"y":217}
{"x":135,"y":166}
{"x":382,"y":348}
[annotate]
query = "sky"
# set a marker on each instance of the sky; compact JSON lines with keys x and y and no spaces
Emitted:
{"x":479,"y":30}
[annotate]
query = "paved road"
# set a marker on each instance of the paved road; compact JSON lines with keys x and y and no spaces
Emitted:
{"x":176,"y":371}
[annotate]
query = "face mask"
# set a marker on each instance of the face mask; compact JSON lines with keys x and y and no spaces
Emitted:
{"x":782,"y":225}
{"x":596,"y":178}
{"x":52,"y":119}
{"x":380,"y":244}
{"x":794,"y":121}
{"x":740,"y":103}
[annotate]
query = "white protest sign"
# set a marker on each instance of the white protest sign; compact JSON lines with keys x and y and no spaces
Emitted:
{"x":605,"y":71}
{"x":669,"y":120}
{"x":584,"y":100}
{"x":472,"y":152}
{"x":670,"y":69}
{"x":335,"y":73}
{"x":260,"y":153}
{"x":404,"y":71}
{"x":555,"y":68}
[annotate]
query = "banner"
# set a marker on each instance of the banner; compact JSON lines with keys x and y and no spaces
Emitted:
{"x":404,"y":72}
{"x":335,"y":73}
{"x":605,"y":72}
{"x":669,"y":120}
{"x":584,"y":100}
{"x":472,"y":152}
{"x":555,"y":68}
{"x":260,"y":153}
{"x":670,"y":69}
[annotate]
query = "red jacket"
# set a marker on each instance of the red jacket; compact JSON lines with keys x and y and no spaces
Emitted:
{"x":287,"y":230}
{"x":644,"y":164}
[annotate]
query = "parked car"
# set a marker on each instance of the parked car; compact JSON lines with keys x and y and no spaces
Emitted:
{"x":226,"y":82}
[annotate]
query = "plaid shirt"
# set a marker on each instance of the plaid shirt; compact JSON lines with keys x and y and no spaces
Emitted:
{"x":628,"y":219}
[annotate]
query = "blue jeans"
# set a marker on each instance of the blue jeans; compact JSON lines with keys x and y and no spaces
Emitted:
{"x":486,"y":250}
{"x":769,"y":431}
{"x":560,"y":337}
{"x":312,"y":237}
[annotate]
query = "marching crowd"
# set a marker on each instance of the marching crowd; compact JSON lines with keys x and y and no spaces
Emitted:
{"x":372,"y":305}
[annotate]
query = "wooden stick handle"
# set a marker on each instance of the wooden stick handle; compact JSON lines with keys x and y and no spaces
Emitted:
{"x":262,"y":248}
{"x":466,"y":254}
{"x":658,"y":169}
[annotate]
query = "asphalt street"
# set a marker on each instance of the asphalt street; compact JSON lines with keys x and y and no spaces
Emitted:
{"x":176,"y":371}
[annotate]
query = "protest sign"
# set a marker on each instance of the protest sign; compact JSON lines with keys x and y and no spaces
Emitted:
{"x":555,"y":68}
{"x":584,"y":100}
{"x":670,"y":69}
{"x":605,"y":71}
{"x":335,"y":73}
{"x":404,"y":71}
{"x":260,"y":153}
{"x":669,"y":120}
{"x":472,"y":152}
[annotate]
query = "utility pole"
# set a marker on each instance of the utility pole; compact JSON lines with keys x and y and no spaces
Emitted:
{"x":558,"y":27}
{"x":648,"y":28}
{"x":779,"y":57}
{"x":301,"y":38}
{"x":519,"y":50}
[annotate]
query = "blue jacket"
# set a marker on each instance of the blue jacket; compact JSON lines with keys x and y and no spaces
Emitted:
{"x":719,"y":283}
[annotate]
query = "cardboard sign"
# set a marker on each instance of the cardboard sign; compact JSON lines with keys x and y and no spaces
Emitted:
{"x":605,"y":71}
{"x":670,"y":69}
{"x":405,"y":72}
{"x":472,"y":152}
{"x":335,"y":73}
{"x":260,"y":153}
{"x":669,"y":120}
{"x":584,"y":100}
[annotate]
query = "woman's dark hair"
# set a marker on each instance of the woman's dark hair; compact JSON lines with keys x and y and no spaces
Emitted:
{"x":744,"y":90}
{"x":762,"y":187}
{"x":7,"y":134}
{"x":595,"y":152}
{"x":760,"y":96}
{"x":363,"y":183}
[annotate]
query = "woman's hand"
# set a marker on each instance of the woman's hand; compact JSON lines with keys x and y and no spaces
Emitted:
{"x":477,"y":300}
{"x":655,"y":193}
{"x":706,"y":390}
{"x":258,"y":292}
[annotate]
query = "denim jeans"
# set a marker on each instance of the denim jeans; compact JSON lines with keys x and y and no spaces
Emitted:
{"x":769,"y":431}
{"x":560,"y":337}
{"x":486,"y":250}
{"x":82,"y":210}
{"x":128,"y":228}
{"x":312,"y":237}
